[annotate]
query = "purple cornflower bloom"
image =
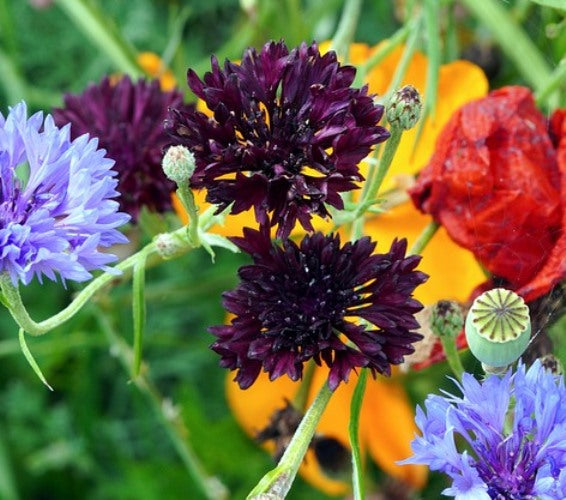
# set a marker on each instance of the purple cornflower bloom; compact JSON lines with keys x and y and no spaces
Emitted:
{"x":56,"y":206}
{"x":286,"y":135}
{"x":128,"y":120}
{"x":299,"y":301}
{"x":514,"y":429}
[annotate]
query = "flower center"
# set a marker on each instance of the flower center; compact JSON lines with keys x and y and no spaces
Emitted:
{"x":509,"y":470}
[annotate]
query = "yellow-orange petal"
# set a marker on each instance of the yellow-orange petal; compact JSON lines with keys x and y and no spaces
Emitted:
{"x":453,"y":271}
{"x":387,"y":427}
{"x":253,"y":408}
{"x":234,"y":224}
{"x":152,"y":64}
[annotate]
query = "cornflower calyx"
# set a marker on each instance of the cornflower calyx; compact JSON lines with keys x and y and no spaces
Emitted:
{"x":178,"y":164}
{"x":404,"y":108}
{"x":447,"y":319}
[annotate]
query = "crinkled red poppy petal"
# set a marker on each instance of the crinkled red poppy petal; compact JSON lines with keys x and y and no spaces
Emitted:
{"x":554,"y":269}
{"x":493,"y":184}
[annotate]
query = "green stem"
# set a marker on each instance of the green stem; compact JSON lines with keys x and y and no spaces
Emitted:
{"x":138,"y":312}
{"x":375,"y":183}
{"x":452,"y":356}
{"x":301,"y":397}
{"x":513,"y":40}
{"x":433,"y":53}
{"x":346,"y":28}
{"x":278,"y":481}
{"x":406,"y":58}
{"x":424,"y":238}
{"x":207,"y":487}
{"x":185,"y":194}
{"x":380,"y":54}
{"x":557,"y":80}
{"x":21,"y":316}
{"x":353,"y":431}
{"x":98,"y":28}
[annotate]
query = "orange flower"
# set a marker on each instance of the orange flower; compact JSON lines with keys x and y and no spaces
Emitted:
{"x":387,"y":417}
{"x":154,"y":67}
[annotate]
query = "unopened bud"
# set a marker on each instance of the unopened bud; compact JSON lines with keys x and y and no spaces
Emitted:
{"x":169,"y":245}
{"x":447,"y":319}
{"x":498,"y":327}
{"x":404,"y":108}
{"x":178,"y":164}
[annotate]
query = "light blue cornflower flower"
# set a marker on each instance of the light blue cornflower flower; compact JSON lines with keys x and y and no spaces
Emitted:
{"x":505,"y":438}
{"x":56,"y":201}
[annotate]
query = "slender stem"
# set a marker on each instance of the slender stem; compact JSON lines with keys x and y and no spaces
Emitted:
{"x":21,"y":316}
{"x":433,"y":53}
{"x":452,"y":356}
{"x":406,"y":58}
{"x":424,"y":238}
{"x":278,"y":481}
{"x":300,"y":399}
{"x":557,"y":80}
{"x":375,"y":183}
{"x":185,"y":194}
{"x":513,"y":40}
{"x":347,"y":28}
{"x":386,"y":48}
{"x":353,"y":431}
{"x":99,"y":29}
{"x":174,"y":426}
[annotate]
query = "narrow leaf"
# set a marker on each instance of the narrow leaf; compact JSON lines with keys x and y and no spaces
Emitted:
{"x":138,"y":310}
{"x":30,"y":359}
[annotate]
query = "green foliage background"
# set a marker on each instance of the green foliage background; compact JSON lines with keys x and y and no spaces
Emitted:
{"x":98,"y":436}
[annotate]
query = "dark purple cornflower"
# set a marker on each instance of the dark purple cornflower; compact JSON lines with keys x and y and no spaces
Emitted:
{"x":286,"y":135}
{"x":511,"y":432}
{"x":128,"y":120}
{"x":300,"y":301}
{"x":56,"y":201}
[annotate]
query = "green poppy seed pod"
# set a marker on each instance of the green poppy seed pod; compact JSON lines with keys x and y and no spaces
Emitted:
{"x":404,"y":108}
{"x":447,"y":319}
{"x":178,"y":164}
{"x":498,"y":327}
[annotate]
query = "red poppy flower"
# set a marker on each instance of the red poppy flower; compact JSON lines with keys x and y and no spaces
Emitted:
{"x":497,"y":183}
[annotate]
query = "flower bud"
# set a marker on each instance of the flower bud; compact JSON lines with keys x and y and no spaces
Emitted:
{"x":498,"y":327}
{"x":404,"y":108}
{"x":169,"y":245}
{"x":447,"y":319}
{"x":178,"y":164}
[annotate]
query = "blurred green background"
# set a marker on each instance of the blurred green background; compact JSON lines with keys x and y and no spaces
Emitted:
{"x":99,"y":435}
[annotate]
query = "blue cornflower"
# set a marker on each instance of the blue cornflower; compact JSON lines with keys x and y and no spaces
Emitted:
{"x":514,"y":432}
{"x":56,"y":206}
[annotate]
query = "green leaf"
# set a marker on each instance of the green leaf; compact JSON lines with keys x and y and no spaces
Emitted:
{"x":138,"y":310}
{"x":555,"y":4}
{"x":218,"y":241}
{"x":28,"y":355}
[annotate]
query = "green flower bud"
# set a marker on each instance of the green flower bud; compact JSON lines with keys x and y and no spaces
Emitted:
{"x":169,"y":245}
{"x":447,"y":319}
{"x":404,"y":108}
{"x":498,"y":327}
{"x":178,"y":164}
